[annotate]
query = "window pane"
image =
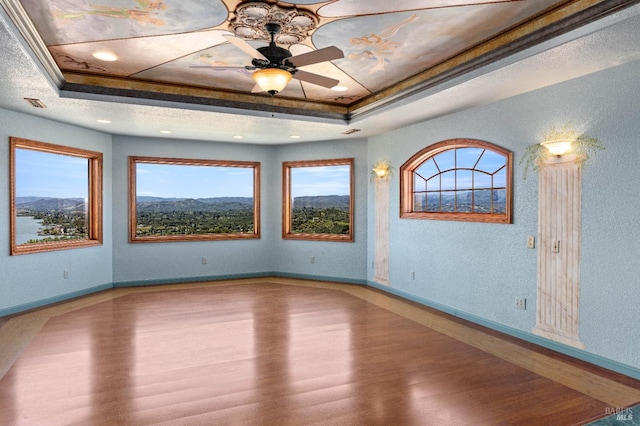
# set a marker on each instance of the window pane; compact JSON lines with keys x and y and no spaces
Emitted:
{"x":448,"y":201}
{"x":481,"y":180}
{"x":491,"y":162}
{"x":319,"y":200}
{"x":419,"y":184}
{"x":464,"y":179}
{"x":482,"y":201}
{"x":420,"y":202}
{"x":51,"y":197}
{"x":467,"y":157}
{"x":448,"y":180}
{"x":179,"y":200}
{"x":499,"y":201}
{"x":463,"y":201}
{"x":434,"y":183}
{"x":433,"y":202}
{"x":500,"y":179}
{"x":446,"y":160}
{"x":428,"y":169}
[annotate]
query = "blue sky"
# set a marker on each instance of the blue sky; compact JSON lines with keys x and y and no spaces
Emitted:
{"x":43,"y":174}
{"x":322,"y":180}
{"x":180,"y":181}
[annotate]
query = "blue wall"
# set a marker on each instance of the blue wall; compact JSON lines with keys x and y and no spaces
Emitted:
{"x":162,"y":262}
{"x":346,"y":261}
{"x":38,"y":278}
{"x":474,"y":270}
{"x":477,"y":270}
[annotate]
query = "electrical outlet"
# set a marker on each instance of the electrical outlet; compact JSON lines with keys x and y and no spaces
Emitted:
{"x":313,"y":259}
{"x":521,"y":303}
{"x":65,"y":274}
{"x":413,"y":275}
{"x":205,"y":261}
{"x":531,"y":242}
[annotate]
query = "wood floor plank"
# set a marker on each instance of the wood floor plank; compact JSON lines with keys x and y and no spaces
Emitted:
{"x":278,"y":352}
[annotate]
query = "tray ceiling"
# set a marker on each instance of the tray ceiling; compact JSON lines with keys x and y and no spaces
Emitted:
{"x":391,"y":48}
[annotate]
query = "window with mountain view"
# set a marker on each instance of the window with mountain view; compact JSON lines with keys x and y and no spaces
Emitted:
{"x":459,"y":179}
{"x":318,"y":200}
{"x":174,"y":199}
{"x":56,"y":197}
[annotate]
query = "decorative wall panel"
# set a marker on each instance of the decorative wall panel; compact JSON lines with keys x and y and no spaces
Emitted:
{"x":558,"y":298}
{"x":382,"y":231}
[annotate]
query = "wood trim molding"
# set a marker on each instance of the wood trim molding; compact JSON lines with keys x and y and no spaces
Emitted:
{"x":134,"y":160}
{"x":287,"y":206}
{"x":407,"y":183}
{"x":94,"y":207}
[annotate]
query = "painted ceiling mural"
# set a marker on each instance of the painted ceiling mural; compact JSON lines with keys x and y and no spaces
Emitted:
{"x":163,"y":41}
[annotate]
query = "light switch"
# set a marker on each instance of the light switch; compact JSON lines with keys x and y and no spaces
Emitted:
{"x":531,"y":242}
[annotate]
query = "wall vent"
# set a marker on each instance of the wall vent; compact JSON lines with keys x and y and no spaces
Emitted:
{"x":351,"y":131}
{"x":36,"y":103}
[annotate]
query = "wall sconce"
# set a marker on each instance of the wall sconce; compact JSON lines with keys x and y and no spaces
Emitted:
{"x":558,"y":147}
{"x":381,"y":170}
{"x":559,"y":142}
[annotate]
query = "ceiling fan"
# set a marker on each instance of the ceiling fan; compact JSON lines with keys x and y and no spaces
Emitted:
{"x":275,"y":66}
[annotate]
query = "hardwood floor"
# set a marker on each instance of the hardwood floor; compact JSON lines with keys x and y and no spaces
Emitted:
{"x":282,"y":351}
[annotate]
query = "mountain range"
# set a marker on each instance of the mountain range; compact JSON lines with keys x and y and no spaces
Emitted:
{"x":49,"y":203}
{"x":321,"y":202}
{"x":216,"y":204}
{"x":160,"y":204}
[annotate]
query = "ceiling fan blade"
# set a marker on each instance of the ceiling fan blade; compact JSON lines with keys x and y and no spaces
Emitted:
{"x":257,"y":89}
{"x":317,"y":79}
{"x":217,"y":67}
{"x":321,"y":55}
{"x":245,"y":47}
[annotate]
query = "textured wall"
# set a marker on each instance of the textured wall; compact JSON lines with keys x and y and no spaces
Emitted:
{"x":30,"y":278}
{"x":474,"y":268}
{"x":332,"y":259}
{"x":183,"y":260}
{"x":479,"y":269}
{"x":178,"y":260}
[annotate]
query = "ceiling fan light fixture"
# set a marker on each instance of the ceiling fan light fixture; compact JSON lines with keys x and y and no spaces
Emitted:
{"x":104,"y":55}
{"x":272,"y":80}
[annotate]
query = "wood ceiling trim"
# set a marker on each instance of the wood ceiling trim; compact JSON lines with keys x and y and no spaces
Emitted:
{"x":128,"y":88}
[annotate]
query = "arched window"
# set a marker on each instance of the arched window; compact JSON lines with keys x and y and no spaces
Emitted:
{"x":457,"y":179}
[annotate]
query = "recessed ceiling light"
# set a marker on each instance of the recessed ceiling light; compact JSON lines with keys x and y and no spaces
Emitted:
{"x":295,"y":136}
{"x":105,"y":55}
{"x":103,"y":121}
{"x":166,"y":132}
{"x":339,"y":88}
{"x":238,"y":137}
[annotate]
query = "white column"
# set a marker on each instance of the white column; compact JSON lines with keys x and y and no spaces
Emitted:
{"x":559,"y":211}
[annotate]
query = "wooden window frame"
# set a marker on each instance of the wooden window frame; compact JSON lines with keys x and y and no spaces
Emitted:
{"x":286,"y":200}
{"x":413,"y":163}
{"x":94,"y":207}
{"x":134,"y":160}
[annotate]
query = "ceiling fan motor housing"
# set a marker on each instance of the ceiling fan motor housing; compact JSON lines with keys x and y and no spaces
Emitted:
{"x":275,"y":54}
